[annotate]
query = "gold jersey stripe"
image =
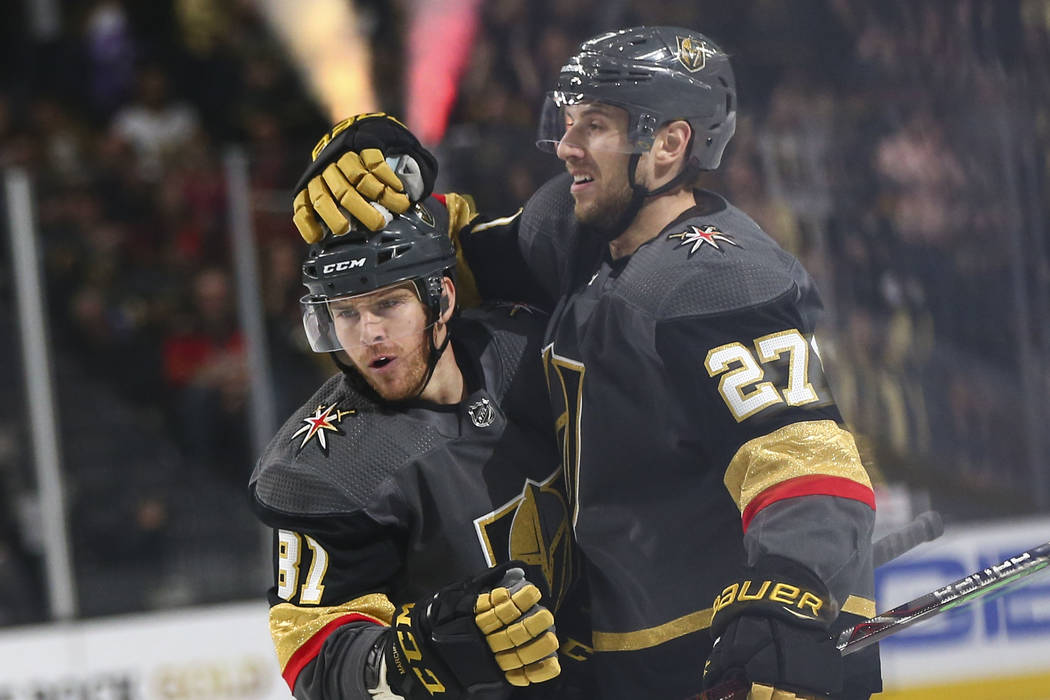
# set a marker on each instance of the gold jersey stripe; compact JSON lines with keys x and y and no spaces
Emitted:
{"x":693,"y":622}
{"x":652,"y":636}
{"x":800,"y":449}
{"x":292,"y":626}
{"x":855,"y":605}
{"x":460,"y":212}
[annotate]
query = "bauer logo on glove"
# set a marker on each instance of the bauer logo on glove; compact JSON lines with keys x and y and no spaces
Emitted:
{"x":795,"y":600}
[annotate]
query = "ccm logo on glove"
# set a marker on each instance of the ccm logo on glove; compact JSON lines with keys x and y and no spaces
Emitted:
{"x":413,"y":655}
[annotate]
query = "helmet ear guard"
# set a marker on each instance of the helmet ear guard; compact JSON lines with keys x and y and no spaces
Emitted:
{"x":431,"y":292}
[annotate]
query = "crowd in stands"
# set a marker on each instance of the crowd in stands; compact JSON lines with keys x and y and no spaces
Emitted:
{"x":898,"y":148}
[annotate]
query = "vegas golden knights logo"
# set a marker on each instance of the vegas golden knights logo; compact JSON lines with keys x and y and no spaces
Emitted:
{"x":693,"y":54}
{"x":533,"y":527}
{"x":425,"y":215}
{"x":565,"y":386}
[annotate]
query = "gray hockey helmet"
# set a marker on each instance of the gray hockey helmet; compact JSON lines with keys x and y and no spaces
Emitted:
{"x":414,"y":247}
{"x":658,"y":75}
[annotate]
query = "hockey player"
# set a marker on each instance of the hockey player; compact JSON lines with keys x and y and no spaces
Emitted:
{"x":427,"y":460}
{"x":721,"y":510}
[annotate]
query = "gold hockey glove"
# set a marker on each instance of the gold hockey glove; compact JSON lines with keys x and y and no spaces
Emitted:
{"x":437,"y":648}
{"x":350,"y":177}
{"x":519,"y":630}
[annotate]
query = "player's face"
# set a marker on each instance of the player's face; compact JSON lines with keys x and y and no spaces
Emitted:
{"x":595,"y":150}
{"x":384,"y":335}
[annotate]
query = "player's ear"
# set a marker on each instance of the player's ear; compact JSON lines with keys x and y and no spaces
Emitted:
{"x":448,"y":299}
{"x":674,"y":141}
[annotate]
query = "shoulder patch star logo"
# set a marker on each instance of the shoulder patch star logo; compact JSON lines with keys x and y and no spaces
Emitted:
{"x":699,"y":236}
{"x":323,"y":419}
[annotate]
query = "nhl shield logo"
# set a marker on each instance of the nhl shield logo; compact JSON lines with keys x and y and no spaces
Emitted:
{"x":693,"y":54}
{"x":481,"y":413}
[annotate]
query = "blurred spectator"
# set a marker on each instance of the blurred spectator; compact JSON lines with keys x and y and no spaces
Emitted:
{"x":192,"y":199}
{"x":155,"y":125}
{"x":111,"y":53}
{"x":204,"y":369}
{"x":63,"y":142}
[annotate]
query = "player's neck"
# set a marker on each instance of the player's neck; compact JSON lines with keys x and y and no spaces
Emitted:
{"x":651,"y":219}
{"x":446,"y":385}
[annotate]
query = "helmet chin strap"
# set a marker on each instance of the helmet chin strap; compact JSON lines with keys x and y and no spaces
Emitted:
{"x":641,"y":193}
{"x":434,"y":354}
{"x":430,"y":289}
{"x":638,"y":195}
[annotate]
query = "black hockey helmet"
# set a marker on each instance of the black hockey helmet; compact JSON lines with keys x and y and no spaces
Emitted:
{"x":658,"y":75}
{"x":413,"y":247}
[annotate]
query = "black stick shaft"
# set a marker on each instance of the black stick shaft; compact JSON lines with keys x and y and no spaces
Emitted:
{"x":926,"y":527}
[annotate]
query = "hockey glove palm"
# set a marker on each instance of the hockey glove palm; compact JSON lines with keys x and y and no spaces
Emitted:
{"x":351,"y":177}
{"x":771,"y":629}
{"x":474,"y":636}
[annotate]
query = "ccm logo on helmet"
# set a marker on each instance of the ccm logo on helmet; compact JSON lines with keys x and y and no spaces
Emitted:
{"x":341,"y":266}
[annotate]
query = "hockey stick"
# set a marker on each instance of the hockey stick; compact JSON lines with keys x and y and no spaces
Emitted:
{"x":996,"y":579}
{"x":990,"y":582}
{"x":926,"y":527}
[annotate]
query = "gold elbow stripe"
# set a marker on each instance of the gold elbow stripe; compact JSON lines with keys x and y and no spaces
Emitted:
{"x":460,"y":212}
{"x":652,"y":636}
{"x":292,"y":627}
{"x":503,"y":221}
{"x":809,"y":448}
{"x":855,"y":605}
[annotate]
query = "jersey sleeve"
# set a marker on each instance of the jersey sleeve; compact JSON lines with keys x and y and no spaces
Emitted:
{"x":524,"y":256}
{"x":751,"y":380}
{"x":329,"y":600}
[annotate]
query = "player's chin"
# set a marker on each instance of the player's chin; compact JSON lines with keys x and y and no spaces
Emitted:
{"x":586,"y":211}
{"x":394,"y":389}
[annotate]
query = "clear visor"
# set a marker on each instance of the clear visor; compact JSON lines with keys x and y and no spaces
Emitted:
{"x":385,"y":317}
{"x":575,"y":120}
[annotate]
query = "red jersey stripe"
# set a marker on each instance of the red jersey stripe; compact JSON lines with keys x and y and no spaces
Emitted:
{"x":811,"y":485}
{"x":309,"y":650}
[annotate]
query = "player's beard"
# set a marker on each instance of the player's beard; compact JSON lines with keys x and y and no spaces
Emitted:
{"x":406,"y":381}
{"x":604,"y":213}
